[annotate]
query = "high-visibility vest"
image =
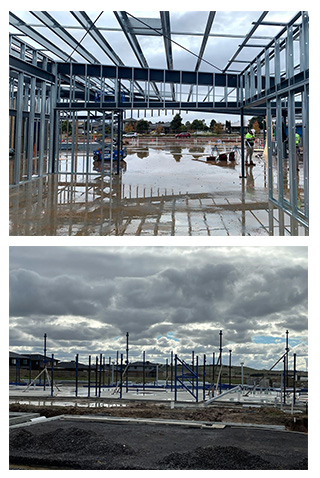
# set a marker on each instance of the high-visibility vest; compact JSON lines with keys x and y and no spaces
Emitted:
{"x":250,"y":138}
{"x":297,"y":139}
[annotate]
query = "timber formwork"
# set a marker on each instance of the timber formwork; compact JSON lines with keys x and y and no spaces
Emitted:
{"x":48,"y":95}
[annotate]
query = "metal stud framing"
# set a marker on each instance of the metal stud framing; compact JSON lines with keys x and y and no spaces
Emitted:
{"x":275,"y":84}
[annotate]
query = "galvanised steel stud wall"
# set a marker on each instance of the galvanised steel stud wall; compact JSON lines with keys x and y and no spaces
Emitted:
{"x":32,"y":101}
{"x":289,"y":94}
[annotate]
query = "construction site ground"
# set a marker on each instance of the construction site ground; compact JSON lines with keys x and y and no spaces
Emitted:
{"x":156,"y":436}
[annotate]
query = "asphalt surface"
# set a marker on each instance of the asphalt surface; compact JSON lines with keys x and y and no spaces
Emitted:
{"x":86,"y":445}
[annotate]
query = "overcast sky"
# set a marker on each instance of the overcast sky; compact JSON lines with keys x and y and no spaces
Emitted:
{"x":168,"y":298}
{"x":217,"y":53}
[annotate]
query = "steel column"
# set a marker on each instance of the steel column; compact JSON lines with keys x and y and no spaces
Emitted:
{"x":220,"y":357}
{"x":143,"y":370}
{"x":18,"y":129}
{"x":89,"y":376}
{"x":31,"y":121}
{"x":42,"y":138}
{"x":45,"y":358}
{"x":267,"y":69}
{"x":280,"y":144}
{"x":292,"y":154}
{"x":277,"y":61}
{"x":213,"y":371}
{"x":121,"y":367}
{"x":243,"y":170}
{"x":289,"y":53}
{"x":175,"y":377}
{"x":77,"y":360}
{"x":171,"y":371}
{"x":127,"y":335}
{"x":204,"y":377}
{"x":269,"y":141}
{"x":96,"y":377}
{"x":52,"y":370}
{"x":304,"y":45}
{"x":100,"y":371}
{"x":294,"y":377}
{"x":305,"y":145}
{"x":53,"y":101}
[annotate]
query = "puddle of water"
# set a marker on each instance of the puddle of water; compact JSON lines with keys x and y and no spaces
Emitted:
{"x":163,"y":189}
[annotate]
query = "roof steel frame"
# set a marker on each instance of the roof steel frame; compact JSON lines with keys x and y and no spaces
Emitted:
{"x":129,"y":27}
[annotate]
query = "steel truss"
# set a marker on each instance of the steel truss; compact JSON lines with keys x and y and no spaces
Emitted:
{"x":44,"y":92}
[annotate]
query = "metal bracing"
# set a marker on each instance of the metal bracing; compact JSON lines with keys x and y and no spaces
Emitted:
{"x":62,"y":33}
{"x":94,"y":32}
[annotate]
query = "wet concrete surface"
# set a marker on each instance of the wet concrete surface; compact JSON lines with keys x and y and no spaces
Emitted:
{"x":163,"y":189}
{"x":84,"y":445}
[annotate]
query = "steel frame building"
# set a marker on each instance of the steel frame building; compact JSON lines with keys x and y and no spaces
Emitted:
{"x":47,"y":88}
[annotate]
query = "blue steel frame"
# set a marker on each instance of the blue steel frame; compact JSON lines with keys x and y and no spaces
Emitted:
{"x":189,"y":375}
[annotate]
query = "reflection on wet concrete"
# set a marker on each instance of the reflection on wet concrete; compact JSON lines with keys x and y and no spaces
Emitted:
{"x":155,"y":194}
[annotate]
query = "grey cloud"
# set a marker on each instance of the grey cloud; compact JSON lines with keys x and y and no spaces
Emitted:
{"x":63,"y":295}
{"x":178,"y":297}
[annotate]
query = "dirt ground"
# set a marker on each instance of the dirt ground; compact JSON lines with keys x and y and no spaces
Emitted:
{"x":263,"y":415}
{"x":65,"y":444}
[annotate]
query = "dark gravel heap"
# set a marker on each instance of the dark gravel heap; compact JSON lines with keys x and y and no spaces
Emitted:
{"x":216,"y":458}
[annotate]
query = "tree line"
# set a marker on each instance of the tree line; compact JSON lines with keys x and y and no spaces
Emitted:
{"x":177,"y":126}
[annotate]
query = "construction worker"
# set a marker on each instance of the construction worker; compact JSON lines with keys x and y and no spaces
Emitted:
{"x":250,"y":138}
{"x":297,"y":143}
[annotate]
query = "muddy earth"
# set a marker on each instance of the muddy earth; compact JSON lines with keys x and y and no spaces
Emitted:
{"x":66,"y":444}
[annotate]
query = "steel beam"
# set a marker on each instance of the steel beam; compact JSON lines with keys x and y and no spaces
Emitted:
{"x":204,"y":43}
{"x":166,"y":31}
{"x":30,"y":69}
{"x":205,"y":38}
{"x":127,"y":29}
